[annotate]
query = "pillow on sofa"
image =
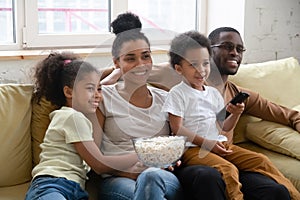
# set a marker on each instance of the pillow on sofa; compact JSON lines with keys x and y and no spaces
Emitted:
{"x":15,"y":148}
{"x":39,"y":124}
{"x":266,"y":76}
{"x":240,"y":129}
{"x":275,"y":137}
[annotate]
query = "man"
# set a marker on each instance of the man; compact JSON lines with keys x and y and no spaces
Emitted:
{"x":227,"y":54}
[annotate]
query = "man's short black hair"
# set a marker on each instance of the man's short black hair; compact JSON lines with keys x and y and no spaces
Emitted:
{"x":215,"y":34}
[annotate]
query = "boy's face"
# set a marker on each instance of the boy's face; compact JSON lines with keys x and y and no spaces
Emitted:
{"x":86,"y":94}
{"x":195,"y":67}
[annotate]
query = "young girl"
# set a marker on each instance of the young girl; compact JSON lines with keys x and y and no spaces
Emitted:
{"x":131,"y":110}
{"x":72,"y":85}
{"x":192,"y":108}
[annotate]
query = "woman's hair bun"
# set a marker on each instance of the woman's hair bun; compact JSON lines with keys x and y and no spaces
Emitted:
{"x":125,"y":22}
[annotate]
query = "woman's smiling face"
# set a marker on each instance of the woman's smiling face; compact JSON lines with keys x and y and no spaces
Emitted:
{"x":135,"y":60}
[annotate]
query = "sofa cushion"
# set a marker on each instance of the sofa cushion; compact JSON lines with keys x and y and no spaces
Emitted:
{"x":15,"y":148}
{"x":240,"y":129}
{"x":287,"y":165}
{"x":270,"y":78}
{"x":39,"y":124}
{"x":275,"y":137}
{"x":16,"y":192}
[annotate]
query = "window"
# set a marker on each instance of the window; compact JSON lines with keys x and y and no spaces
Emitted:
{"x":163,"y":19}
{"x":85,"y":23}
{"x":174,"y":15}
{"x":59,"y":23}
{"x":7,"y":35}
{"x":72,"y":17}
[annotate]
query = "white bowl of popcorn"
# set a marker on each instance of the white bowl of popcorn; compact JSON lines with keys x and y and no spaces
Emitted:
{"x":161,"y":151}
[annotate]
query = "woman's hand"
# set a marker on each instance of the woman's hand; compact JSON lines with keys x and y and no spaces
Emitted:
{"x":177,"y":164}
{"x":112,"y":78}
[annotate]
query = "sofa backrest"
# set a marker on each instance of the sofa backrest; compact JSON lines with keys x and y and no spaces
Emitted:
{"x":15,"y":148}
{"x":277,"y":81}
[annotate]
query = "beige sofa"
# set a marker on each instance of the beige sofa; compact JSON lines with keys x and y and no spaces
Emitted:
{"x":23,"y":125}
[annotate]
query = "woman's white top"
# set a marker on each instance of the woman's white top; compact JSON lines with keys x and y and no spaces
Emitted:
{"x":125,"y":121}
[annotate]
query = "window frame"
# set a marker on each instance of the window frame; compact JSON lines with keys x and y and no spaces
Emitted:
{"x":27,"y":36}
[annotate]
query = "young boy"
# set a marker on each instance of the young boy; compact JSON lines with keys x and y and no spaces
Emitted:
{"x":193,"y":107}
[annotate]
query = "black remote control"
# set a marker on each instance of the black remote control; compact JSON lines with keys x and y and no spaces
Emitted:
{"x":239,"y":98}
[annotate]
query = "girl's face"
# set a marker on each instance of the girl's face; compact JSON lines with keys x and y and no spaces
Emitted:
{"x":135,"y":61}
{"x":86,"y":94}
{"x":195,"y":67}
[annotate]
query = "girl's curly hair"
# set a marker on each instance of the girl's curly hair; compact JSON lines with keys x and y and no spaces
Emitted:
{"x":55,"y":72}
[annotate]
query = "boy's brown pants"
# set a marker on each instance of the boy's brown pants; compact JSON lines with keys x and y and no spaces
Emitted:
{"x":229,"y":166}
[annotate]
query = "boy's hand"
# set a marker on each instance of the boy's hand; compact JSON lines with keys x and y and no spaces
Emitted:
{"x":216,"y":147}
{"x":236,"y":109}
{"x":221,"y":150}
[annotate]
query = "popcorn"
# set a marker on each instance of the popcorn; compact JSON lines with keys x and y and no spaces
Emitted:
{"x":161,"y":151}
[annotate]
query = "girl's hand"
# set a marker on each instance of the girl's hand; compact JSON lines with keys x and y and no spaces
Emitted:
{"x":132,"y":172}
{"x":236,"y":109}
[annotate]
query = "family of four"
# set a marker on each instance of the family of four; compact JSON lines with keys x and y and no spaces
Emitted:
{"x":95,"y":124}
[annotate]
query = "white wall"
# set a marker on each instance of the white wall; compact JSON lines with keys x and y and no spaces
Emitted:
{"x":20,"y":71}
{"x":272,"y":30}
{"x":226,"y":13}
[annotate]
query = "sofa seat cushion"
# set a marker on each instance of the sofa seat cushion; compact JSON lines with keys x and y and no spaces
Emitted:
{"x":288,"y":166}
{"x":275,"y":137}
{"x":270,"y":80}
{"x":15,"y":137}
{"x":15,"y":192}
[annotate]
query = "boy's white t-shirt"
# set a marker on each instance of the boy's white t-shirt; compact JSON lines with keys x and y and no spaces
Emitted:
{"x":59,"y":157}
{"x":197,"y":108}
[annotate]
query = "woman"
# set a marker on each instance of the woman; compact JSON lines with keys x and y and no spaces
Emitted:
{"x":131,"y":109}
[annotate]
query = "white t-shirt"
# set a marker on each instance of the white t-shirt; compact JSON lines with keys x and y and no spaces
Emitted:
{"x":125,"y":121}
{"x":59,"y":157}
{"x":197,"y":108}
